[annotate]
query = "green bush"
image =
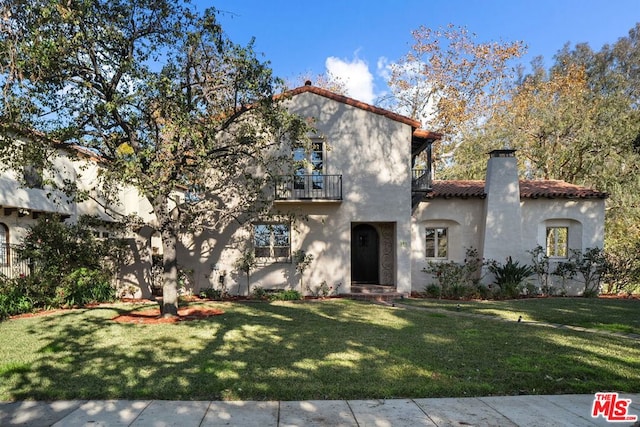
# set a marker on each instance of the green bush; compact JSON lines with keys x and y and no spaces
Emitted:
{"x":259,"y":293}
{"x":69,"y":265}
{"x":288,"y":295}
{"x":457,"y":280}
{"x":84,"y":286}
{"x":212,"y":294}
{"x":510,"y":277}
{"x":12,"y":298}
{"x":433,"y":291}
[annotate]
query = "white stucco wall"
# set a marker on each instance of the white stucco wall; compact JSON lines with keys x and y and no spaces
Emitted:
{"x":15,"y":195}
{"x":584,"y":219}
{"x":372,"y":153}
{"x":464,"y":219}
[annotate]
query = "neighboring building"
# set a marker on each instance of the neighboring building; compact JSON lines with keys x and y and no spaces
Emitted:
{"x":366,"y":214}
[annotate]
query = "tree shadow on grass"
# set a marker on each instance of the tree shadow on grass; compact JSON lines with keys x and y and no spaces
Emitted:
{"x":334,"y":349}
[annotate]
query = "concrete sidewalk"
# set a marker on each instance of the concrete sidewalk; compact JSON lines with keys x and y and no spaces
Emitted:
{"x":558,"y":410}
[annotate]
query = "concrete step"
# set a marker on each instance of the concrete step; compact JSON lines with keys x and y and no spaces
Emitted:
{"x":372,"y":289}
{"x":387,"y":296}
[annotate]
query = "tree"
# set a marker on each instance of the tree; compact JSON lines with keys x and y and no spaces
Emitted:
{"x":451,"y":83}
{"x":161,"y":93}
{"x":578,"y":121}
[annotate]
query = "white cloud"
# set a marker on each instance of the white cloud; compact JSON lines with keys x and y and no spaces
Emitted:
{"x":384,"y":67}
{"x":355,"y":75}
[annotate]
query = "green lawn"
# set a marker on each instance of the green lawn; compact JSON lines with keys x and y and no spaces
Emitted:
{"x":334,"y":349}
{"x":616,"y":315}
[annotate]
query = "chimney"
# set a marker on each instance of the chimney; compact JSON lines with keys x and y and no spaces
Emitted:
{"x":503,"y":218}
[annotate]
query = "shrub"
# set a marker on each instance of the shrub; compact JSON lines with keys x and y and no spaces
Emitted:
{"x":285,"y":295}
{"x":433,"y":291}
{"x":457,"y":280}
{"x":84,"y":286}
{"x":12,"y":299}
{"x":212,"y":294}
{"x":323,"y":290}
{"x":510,"y":277}
{"x":623,"y":274}
{"x":302,"y":260}
{"x":591,"y":266}
{"x":588,"y":268}
{"x":259,"y":293}
{"x":245,"y":263}
{"x":69,"y":265}
{"x":540,"y":266}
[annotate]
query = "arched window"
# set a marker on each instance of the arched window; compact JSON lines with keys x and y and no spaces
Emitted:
{"x":4,"y":244}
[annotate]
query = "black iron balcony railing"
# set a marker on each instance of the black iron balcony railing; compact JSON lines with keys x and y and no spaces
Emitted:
{"x":420,"y":179}
{"x":10,"y":265}
{"x":309,"y":187}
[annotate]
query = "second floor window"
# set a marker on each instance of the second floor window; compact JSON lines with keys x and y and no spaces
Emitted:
{"x":272,"y":241}
{"x":309,"y":166}
{"x":557,"y":242}
{"x":436,"y":242}
{"x":32,"y":176}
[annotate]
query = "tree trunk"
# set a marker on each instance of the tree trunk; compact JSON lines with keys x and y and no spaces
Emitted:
{"x":167,"y":220}
{"x":169,"y":307}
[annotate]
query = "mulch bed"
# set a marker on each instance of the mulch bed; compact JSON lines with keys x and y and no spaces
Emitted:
{"x":152,"y":316}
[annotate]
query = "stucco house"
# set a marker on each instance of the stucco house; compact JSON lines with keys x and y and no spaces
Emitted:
{"x":364,"y":207}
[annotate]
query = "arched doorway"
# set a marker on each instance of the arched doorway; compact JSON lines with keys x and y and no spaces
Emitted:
{"x":364,"y":254}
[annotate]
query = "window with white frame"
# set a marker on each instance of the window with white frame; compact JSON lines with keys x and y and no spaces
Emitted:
{"x":436,"y":242}
{"x":272,"y":241}
{"x":557,"y":242}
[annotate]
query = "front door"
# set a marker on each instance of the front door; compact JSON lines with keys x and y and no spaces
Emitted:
{"x":364,"y":254}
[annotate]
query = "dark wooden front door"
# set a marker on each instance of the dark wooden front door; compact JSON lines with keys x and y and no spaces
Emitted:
{"x":364,"y":254}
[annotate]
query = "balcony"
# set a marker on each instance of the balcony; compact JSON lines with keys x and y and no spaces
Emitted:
{"x":421,"y":180}
{"x":309,"y":187}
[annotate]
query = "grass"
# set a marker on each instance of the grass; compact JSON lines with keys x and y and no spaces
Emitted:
{"x":614,"y":315}
{"x":335,"y":349}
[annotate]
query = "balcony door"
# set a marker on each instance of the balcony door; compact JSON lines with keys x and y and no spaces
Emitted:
{"x":308,"y":180}
{"x":364,"y":254}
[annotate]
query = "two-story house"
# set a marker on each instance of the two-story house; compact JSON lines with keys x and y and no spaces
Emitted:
{"x":359,"y":203}
{"x":368,"y":216}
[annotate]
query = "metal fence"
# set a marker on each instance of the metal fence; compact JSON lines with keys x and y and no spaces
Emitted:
{"x":10,"y":265}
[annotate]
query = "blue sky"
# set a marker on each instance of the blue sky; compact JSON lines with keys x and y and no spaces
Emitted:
{"x":353,"y":37}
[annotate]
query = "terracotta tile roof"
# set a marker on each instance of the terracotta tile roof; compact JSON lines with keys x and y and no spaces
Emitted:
{"x":457,"y":189}
{"x":557,"y":189}
{"x":529,"y":189}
